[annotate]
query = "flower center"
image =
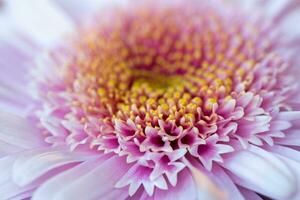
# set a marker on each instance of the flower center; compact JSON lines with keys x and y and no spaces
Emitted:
{"x":162,"y":80}
{"x":165,"y":86}
{"x":162,"y":70}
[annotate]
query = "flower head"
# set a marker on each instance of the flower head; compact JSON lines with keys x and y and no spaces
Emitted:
{"x":157,"y":101}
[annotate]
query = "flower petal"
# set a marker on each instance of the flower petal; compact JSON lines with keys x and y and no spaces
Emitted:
{"x":19,"y":131}
{"x":46,"y":25}
{"x":184,"y":188}
{"x":285,"y":151}
{"x":262,"y":172}
{"x":8,"y":188}
{"x":53,"y":186}
{"x":7,"y":149}
{"x":31,"y":165}
{"x":289,"y":115}
{"x":91,"y":181}
{"x":291,"y":138}
{"x":227,"y":184}
{"x":80,"y":10}
{"x":295,"y":167}
{"x":248,"y":194}
{"x":205,"y":186}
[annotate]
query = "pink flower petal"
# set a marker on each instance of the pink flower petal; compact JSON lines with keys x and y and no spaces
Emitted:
{"x":248,"y":194}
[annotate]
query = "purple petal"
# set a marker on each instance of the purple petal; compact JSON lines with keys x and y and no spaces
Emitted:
{"x":248,"y":194}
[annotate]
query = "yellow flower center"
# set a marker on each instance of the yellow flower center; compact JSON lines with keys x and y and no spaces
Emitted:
{"x":159,"y":66}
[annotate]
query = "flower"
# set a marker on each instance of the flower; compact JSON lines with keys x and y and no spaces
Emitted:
{"x":151,"y":100}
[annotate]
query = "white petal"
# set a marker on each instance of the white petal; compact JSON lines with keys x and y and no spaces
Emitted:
{"x":227,"y":184}
{"x":285,"y":151}
{"x":292,"y":138}
{"x":206,"y":188}
{"x":250,"y":4}
{"x":161,"y":183}
{"x":287,"y":25}
{"x":42,"y":20}
{"x":268,"y":156}
{"x":263,"y":173}
{"x":7,"y":149}
{"x":8,"y":188}
{"x":289,"y":115}
{"x":295,"y":166}
{"x":149,"y":188}
{"x":33,"y":164}
{"x":53,"y":186}
{"x":15,"y":53}
{"x":183,"y":189}
{"x":133,"y":188}
{"x":276,"y":7}
{"x":5,"y":168}
{"x":81,"y":10}
{"x":19,"y":131}
{"x":96,"y":183}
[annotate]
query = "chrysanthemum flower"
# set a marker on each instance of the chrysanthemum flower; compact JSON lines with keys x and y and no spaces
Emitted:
{"x":150,"y":100}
